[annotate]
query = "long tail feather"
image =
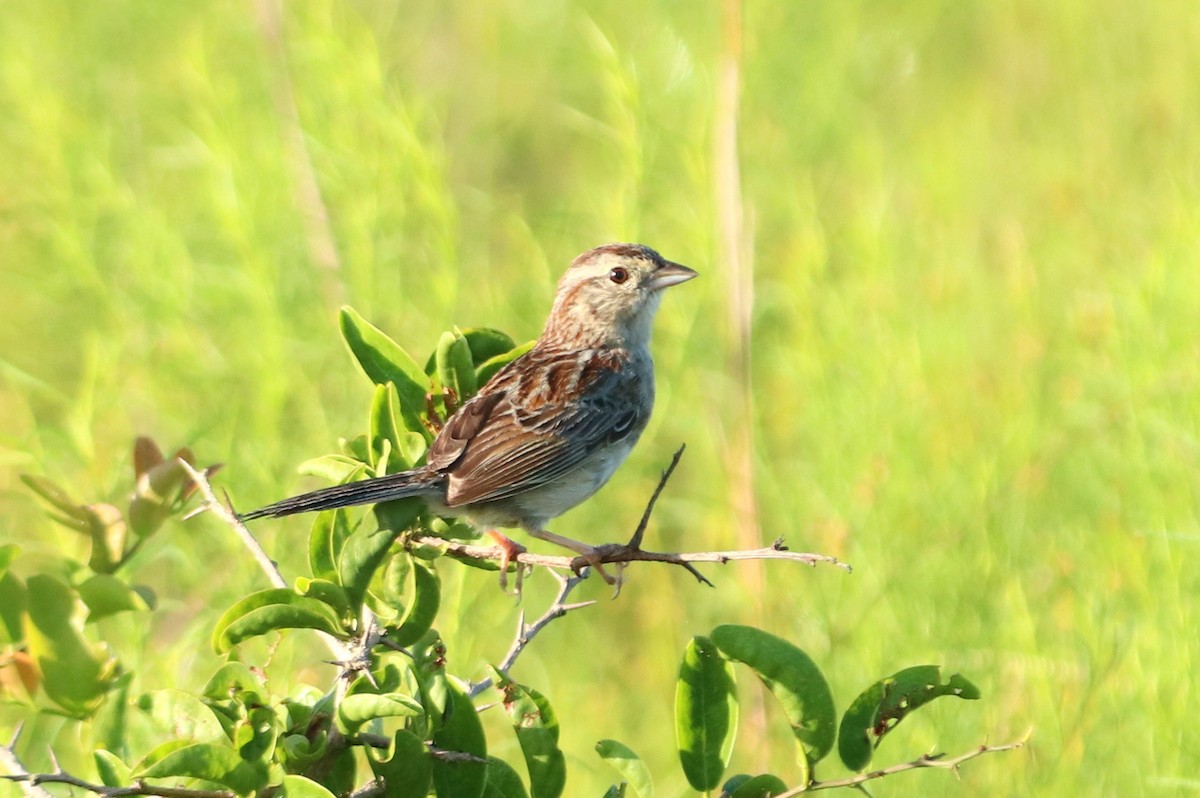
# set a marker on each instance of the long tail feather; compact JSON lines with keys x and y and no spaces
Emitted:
{"x":367,"y":491}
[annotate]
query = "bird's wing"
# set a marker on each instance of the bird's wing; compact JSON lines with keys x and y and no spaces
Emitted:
{"x":536,"y":420}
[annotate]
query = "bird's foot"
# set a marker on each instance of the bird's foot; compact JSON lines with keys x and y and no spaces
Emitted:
{"x":593,"y":557}
{"x":509,"y":550}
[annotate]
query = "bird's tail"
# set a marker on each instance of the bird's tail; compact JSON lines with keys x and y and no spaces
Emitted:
{"x":368,"y":491}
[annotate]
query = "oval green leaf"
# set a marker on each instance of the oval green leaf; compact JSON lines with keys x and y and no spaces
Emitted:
{"x":706,"y":712}
{"x":407,"y":769}
{"x":761,"y":786}
{"x":270,"y":610}
{"x":74,"y":675}
{"x":631,"y":767}
{"x":210,"y":762}
{"x":357,"y":709}
{"x":793,"y":678}
{"x":536,"y":727}
{"x":362,"y":554}
{"x":503,"y":781}
{"x":301,"y":787}
{"x":423,"y":608}
{"x":454,"y":367}
{"x":460,"y":731}
{"x":106,"y":595}
{"x":879,"y":708}
{"x":384,"y":361}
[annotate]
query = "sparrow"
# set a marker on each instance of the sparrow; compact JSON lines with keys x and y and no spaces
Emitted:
{"x":550,"y":428}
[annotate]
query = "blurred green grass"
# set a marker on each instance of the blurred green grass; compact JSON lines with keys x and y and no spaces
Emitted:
{"x":976,"y":330}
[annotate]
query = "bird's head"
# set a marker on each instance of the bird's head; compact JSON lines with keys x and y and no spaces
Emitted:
{"x":609,"y":295}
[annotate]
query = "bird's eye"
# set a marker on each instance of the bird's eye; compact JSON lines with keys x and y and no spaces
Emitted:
{"x":618,"y":275}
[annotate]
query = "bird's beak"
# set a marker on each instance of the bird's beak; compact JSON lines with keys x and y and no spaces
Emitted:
{"x":670,"y":274}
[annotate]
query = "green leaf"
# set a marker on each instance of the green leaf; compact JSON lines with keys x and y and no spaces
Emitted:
{"x":422,"y":608}
{"x":429,"y":671}
{"x":793,"y":678}
{"x":210,"y":762}
{"x":270,"y":610}
{"x":362,"y":554}
{"x":107,"y":528}
{"x":113,"y":772}
{"x":882,"y":706}
{"x":180,"y":714}
{"x":628,"y":764}
{"x":106,"y":595}
{"x":384,"y":361}
{"x":74,"y":675}
{"x":8,"y":553}
{"x":761,"y":786}
{"x":12,"y":608}
{"x":301,"y":787}
{"x":706,"y":712}
{"x":407,"y":769}
{"x":385,"y":429}
{"x":332,"y":468}
{"x":360,"y":708}
{"x":616,"y":791}
{"x":503,"y":781}
{"x":454,"y":367}
{"x":330,"y":593}
{"x":398,"y":515}
{"x":330,"y":530}
{"x":536,"y":727}
{"x":73,"y":514}
{"x":489,"y":367}
{"x":236,"y":680}
{"x":486,"y":343}
{"x":460,"y":731}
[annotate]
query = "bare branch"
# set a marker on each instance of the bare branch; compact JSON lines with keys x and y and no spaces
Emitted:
{"x":226,"y":513}
{"x":635,"y":542}
{"x":526,"y":632}
{"x":16,"y":769}
{"x":927,"y":761}
{"x":623,"y":553}
{"x":213,"y":505}
{"x":139,"y":787}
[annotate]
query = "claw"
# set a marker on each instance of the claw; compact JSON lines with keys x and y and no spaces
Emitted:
{"x":509,"y":549}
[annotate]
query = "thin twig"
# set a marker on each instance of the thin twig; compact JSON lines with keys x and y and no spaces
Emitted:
{"x":212,"y":504}
{"x":927,"y":761}
{"x":526,"y":632}
{"x":622,"y":553}
{"x":635,"y":542}
{"x":139,"y":787}
{"x":16,"y":769}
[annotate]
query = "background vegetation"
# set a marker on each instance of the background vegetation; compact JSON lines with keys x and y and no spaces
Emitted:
{"x":976,"y":333}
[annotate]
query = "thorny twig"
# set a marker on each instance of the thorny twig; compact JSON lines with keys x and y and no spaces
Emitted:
{"x":212,"y":504}
{"x":927,"y":761}
{"x":526,"y":632}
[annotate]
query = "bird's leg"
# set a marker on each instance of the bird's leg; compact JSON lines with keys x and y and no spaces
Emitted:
{"x":509,"y":549}
{"x":586,"y":551}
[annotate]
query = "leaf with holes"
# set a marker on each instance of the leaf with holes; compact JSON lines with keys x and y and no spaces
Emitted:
{"x":882,"y":706}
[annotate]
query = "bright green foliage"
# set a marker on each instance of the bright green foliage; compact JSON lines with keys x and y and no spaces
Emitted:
{"x":706,"y":713}
{"x":793,"y":678}
{"x":761,"y":786}
{"x":536,"y":728}
{"x":880,"y":707}
{"x":631,"y":767}
{"x":371,"y":585}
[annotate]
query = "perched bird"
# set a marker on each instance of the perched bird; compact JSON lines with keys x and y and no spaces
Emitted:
{"x":550,"y":428}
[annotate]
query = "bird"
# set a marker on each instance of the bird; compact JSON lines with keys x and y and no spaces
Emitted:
{"x":551,"y":427}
